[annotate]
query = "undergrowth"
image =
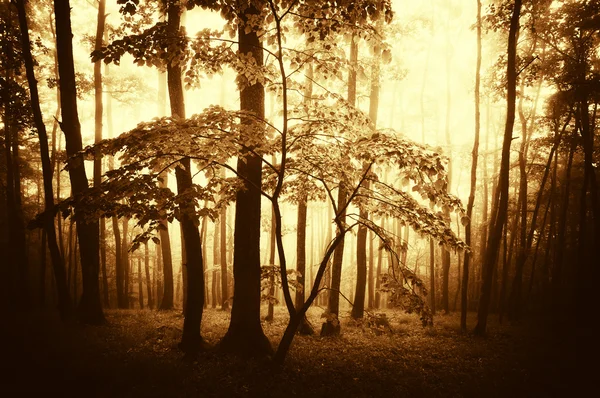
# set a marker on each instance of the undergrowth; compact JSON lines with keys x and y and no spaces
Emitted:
{"x":135,"y":354}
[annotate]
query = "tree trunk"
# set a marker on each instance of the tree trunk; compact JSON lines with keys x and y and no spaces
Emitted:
{"x":126,"y":263}
{"x":223,"y":248}
{"x":166,"y":302}
{"x":191,"y":340}
{"x":471,"y":202}
{"x":500,"y":211}
{"x":272,"y":237}
{"x":332,"y":326}
{"x":119,"y":266}
{"x":245,"y":335}
{"x":358,"y":308}
{"x":90,"y":307}
{"x":445,"y":250}
{"x":140,"y":285}
{"x":148,"y":280}
{"x":216,"y":262}
{"x":58,"y":265}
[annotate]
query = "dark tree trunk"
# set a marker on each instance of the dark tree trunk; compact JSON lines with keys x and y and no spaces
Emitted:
{"x":272,"y":244}
{"x":148,"y":281}
{"x":471,"y":202}
{"x":358,"y":308}
{"x":305,"y":327}
{"x":500,"y":211}
{"x":97,"y":138}
{"x":245,"y":335}
{"x":191,"y":340}
{"x":58,"y":265}
{"x":166,"y":302}
{"x":119,"y":266}
{"x":332,"y":326}
{"x":223,"y":248}
{"x":90,"y":307}
{"x":126,"y":263}
{"x":140,"y":284}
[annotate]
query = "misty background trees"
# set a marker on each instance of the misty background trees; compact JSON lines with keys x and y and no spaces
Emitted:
{"x":314,"y":153}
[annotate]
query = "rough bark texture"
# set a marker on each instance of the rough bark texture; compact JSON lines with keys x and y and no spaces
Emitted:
{"x":499,"y":212}
{"x":245,"y":335}
{"x":90,"y":308}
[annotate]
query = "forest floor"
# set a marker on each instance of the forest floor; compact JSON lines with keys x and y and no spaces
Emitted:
{"x":135,"y":354}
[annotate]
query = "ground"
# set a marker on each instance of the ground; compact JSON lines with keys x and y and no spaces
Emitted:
{"x":135,"y":354}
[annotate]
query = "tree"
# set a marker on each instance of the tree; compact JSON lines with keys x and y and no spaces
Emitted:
{"x":332,"y":325}
{"x":245,"y":335}
{"x":90,"y":307}
{"x":499,"y":211}
{"x":474,"y":158}
{"x":64,"y":299}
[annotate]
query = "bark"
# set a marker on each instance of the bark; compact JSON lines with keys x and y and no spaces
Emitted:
{"x":191,"y":340}
{"x":166,"y":303}
{"x":292,"y":327}
{"x":499,"y":220}
{"x":515,"y":299}
{"x":557,"y":285}
{"x":216,"y":262}
{"x":245,"y":335}
{"x":148,"y":281}
{"x":305,"y":326}
{"x":370,"y":276}
{"x":272,"y":244}
{"x":474,"y":158}
{"x":90,"y":307}
{"x":140,"y":283}
{"x":358,"y":308}
{"x":445,"y":250}
{"x":126,"y":263}
{"x":332,"y":326}
{"x":223,"y":248}
{"x":98,"y":137}
{"x":432,"y":276}
{"x":58,"y":265}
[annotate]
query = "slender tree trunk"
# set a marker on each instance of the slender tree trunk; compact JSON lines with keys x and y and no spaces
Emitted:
{"x":90,"y":307}
{"x":370,"y":277}
{"x":558,"y":268}
{"x":223,"y":248}
{"x":471,"y":202}
{"x":97,"y":138}
{"x":332,"y":326}
{"x":358,"y":308}
{"x":58,"y":265}
{"x":166,"y":302}
{"x":500,"y":212}
{"x":272,"y":237}
{"x":216,"y":262}
{"x":126,"y":263}
{"x":378,"y":272}
{"x":140,"y":283}
{"x":148,"y":280}
{"x":305,"y":326}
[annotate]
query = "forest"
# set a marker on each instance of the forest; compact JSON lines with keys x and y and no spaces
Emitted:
{"x":298,"y":198}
